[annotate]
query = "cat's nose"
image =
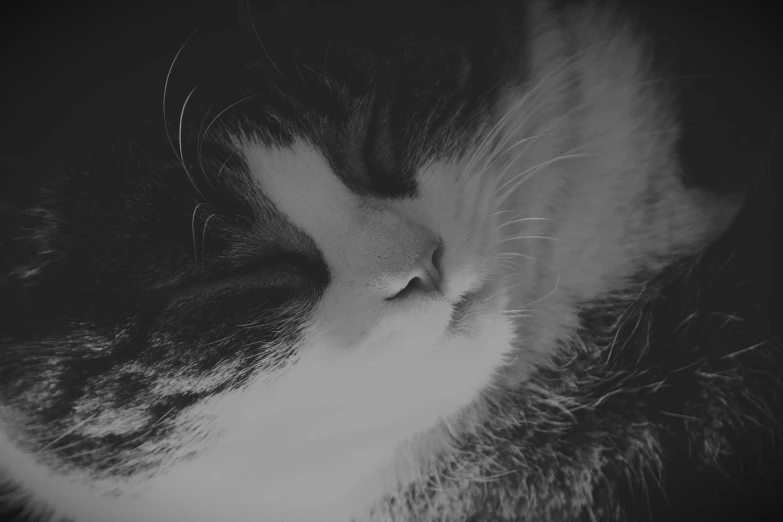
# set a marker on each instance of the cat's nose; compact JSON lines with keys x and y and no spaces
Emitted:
{"x":425,"y":275}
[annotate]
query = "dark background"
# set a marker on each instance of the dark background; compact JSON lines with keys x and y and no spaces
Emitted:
{"x":63,"y":60}
{"x":63,"y":63}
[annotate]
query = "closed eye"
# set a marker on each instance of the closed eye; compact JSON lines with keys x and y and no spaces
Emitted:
{"x":288,"y":270}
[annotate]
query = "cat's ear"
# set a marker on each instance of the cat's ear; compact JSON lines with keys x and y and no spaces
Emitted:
{"x":681,"y":222}
{"x":717,"y":211}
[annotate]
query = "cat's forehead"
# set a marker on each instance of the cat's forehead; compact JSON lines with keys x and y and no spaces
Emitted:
{"x":362,"y":92}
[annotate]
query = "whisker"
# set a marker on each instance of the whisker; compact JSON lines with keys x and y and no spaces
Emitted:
{"x":311,"y":70}
{"x":496,"y":292}
{"x":193,"y":231}
{"x":499,"y":147}
{"x":202,"y":136}
{"x":203,"y":236}
{"x":500,"y":150}
{"x":495,"y":130}
{"x":206,"y":131}
{"x":515,"y":255}
{"x":514,"y":238}
{"x":521,"y":220}
{"x":165,"y":90}
{"x":181,"y":154}
{"x":527,"y":174}
{"x":220,"y":171}
{"x":255,"y":31}
{"x":552,"y":128}
{"x":557,"y":284}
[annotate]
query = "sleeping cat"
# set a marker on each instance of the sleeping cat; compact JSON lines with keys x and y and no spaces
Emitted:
{"x":379,"y":267}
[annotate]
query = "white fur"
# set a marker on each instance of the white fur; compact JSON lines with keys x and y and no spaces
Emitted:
{"x":308,"y":443}
{"x":327,"y":434}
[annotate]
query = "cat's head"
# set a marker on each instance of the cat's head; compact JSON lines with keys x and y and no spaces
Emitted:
{"x":322,"y":265}
{"x":320,"y":279}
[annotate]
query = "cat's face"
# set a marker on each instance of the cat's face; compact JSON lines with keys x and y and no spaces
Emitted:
{"x":320,"y":284}
{"x":331,"y":264}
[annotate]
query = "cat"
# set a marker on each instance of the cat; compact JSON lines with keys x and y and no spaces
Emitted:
{"x":374,"y":266}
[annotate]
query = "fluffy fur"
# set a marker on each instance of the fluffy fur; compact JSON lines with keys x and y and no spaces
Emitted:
{"x":228,"y":335}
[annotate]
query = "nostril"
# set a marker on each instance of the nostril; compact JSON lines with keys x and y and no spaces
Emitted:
{"x":425,"y":276}
{"x":417,"y":283}
{"x":424,"y":284}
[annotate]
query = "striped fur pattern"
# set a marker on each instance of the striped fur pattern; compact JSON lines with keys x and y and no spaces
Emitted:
{"x":223,"y":324}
